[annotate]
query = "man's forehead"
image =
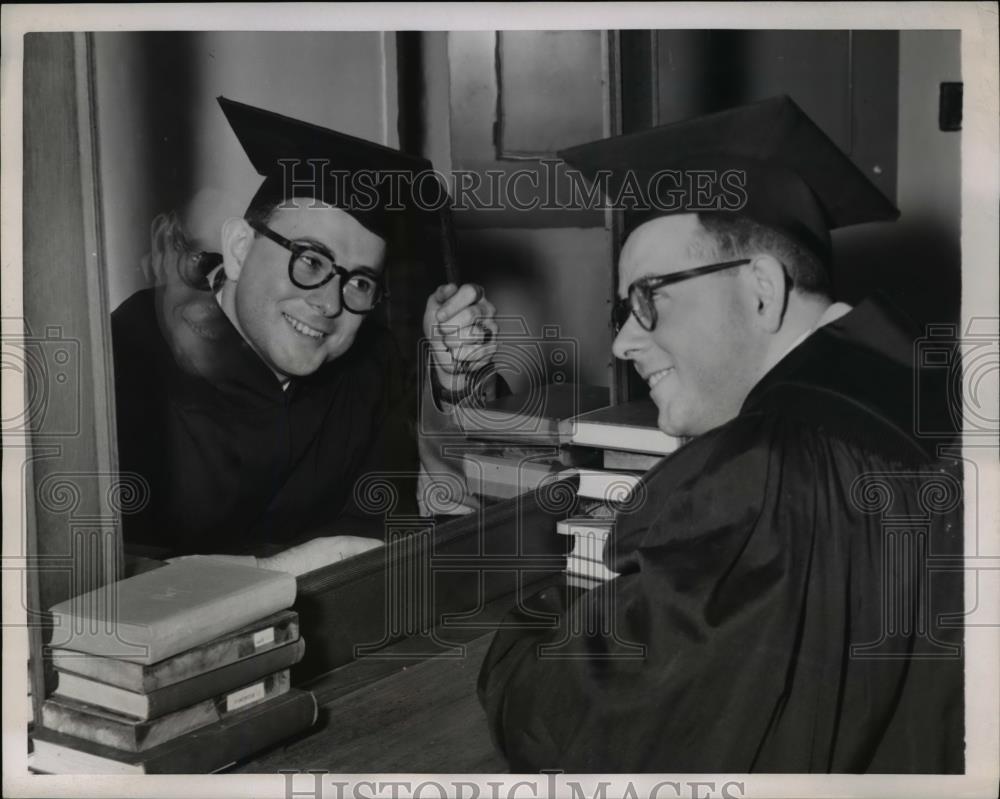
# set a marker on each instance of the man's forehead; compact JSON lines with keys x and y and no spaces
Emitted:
{"x":333,"y":227}
{"x":660,"y":246}
{"x":327,"y":224}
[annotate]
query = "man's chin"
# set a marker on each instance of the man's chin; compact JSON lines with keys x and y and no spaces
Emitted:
{"x":304,"y":364}
{"x":670,"y":428}
{"x":671,"y":420}
{"x":298,"y":367}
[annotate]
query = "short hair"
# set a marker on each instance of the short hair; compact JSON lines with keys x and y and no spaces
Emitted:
{"x":261,"y":210}
{"x":736,"y":236}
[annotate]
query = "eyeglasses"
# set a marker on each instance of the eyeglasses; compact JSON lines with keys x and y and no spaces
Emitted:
{"x":310,"y":267}
{"x":640,"y":301}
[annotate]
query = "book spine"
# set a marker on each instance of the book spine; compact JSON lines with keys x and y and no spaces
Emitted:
{"x":240,"y":735}
{"x":588,"y":549}
{"x":580,"y":581}
{"x":584,"y":529}
{"x":217,"y":681}
{"x":120,"y":732}
{"x":502,"y":478}
{"x":199,"y":752}
{"x":609,"y":487}
{"x":254,"y":693}
{"x":215,"y":655}
{"x":635,"y":461}
{"x":115,"y":638}
{"x":177,"y":634}
{"x":78,"y":626}
{"x":589,"y":568}
{"x":277,"y":631}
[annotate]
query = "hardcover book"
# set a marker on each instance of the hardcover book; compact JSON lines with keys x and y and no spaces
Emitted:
{"x":119,"y":731}
{"x":181,"y":694}
{"x":629,"y":426}
{"x":580,"y":581}
{"x":202,"y":751}
{"x":592,"y":569}
{"x":585,"y":526}
{"x":255,"y":638}
{"x":619,"y":459}
{"x":543,"y":416}
{"x":589,"y":548}
{"x":609,"y":487}
{"x":159,"y":613}
{"x":497,"y":474}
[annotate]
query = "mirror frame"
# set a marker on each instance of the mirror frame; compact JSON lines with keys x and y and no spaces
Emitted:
{"x":73,"y":492}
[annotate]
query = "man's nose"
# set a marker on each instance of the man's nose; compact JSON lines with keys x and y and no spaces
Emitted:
{"x":326,"y":299}
{"x":630,"y":340}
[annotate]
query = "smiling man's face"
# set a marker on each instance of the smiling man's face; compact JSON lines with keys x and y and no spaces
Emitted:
{"x":295,"y":331}
{"x":704,"y":355}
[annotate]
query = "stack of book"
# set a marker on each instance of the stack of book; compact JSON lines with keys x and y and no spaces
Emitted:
{"x":631,"y":443}
{"x":526,"y":438}
{"x":192,"y":675}
{"x":558,"y":431}
{"x":502,"y":472}
{"x":601,"y":494}
{"x":589,"y":533}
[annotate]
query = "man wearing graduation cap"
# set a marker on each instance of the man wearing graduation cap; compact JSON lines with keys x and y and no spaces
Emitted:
{"x":764,"y":619}
{"x":288,"y":391}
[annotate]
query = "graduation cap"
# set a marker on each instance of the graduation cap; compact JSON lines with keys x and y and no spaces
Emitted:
{"x":379,"y":186}
{"x":767,"y":161}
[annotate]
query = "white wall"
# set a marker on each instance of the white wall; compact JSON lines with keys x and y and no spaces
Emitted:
{"x":917,"y":260}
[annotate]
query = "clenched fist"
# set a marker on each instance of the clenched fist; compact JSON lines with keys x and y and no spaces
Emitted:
{"x":459,"y":323}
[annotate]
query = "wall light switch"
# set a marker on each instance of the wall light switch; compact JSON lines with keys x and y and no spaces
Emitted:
{"x":950,"y":107}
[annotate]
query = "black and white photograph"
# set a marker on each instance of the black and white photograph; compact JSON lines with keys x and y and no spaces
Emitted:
{"x":501,"y":400}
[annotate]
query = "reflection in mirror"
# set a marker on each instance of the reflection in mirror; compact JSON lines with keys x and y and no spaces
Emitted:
{"x":257,"y":382}
{"x":250,"y":403}
{"x":189,"y":317}
{"x":238,"y":454}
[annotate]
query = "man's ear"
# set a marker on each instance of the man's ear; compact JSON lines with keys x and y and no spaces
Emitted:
{"x":769,"y":291}
{"x":237,"y":236}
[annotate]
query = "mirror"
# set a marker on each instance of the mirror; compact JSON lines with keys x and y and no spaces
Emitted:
{"x":238,"y":451}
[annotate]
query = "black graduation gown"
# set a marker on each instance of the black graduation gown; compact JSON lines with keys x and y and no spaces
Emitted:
{"x":232,"y":461}
{"x":772,"y":613}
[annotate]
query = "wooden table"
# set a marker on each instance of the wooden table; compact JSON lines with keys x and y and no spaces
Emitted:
{"x":398,"y":712}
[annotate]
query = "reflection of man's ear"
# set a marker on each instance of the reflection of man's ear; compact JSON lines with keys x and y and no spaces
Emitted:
{"x":770,"y":294}
{"x":237,"y":236}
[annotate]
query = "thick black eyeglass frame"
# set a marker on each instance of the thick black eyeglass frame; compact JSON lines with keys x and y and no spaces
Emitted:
{"x":296,"y":248}
{"x":640,"y":293}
